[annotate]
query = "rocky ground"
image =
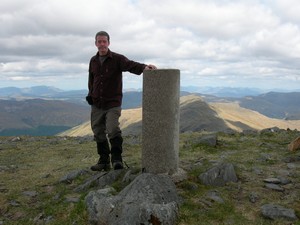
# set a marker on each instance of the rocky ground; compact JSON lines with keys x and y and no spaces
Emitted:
{"x":46,"y":180}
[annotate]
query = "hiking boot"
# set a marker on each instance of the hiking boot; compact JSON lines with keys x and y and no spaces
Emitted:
{"x":100,"y":167}
{"x":118,"y":165}
{"x":104,"y":160}
{"x":116,"y":152}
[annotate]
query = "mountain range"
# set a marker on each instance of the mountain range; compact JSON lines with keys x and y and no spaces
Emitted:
{"x":44,"y":110}
{"x":197,"y":115}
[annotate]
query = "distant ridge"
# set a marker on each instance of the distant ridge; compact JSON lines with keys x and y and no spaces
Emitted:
{"x":66,"y":109}
{"x":281,"y":105}
{"x":39,"y":116}
{"x":275,"y":104}
{"x":197,"y":115}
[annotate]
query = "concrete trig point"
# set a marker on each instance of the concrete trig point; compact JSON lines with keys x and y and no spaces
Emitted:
{"x":160,"y":132}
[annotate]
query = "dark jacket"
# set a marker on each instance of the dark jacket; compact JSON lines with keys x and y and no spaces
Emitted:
{"x":105,"y":81}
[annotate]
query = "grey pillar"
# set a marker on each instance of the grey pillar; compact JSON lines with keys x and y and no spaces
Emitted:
{"x":160,"y":132}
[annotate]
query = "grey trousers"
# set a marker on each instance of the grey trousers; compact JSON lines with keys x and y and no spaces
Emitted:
{"x":105,"y":123}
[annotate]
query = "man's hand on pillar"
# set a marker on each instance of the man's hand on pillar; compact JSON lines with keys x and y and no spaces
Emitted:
{"x":150,"y":67}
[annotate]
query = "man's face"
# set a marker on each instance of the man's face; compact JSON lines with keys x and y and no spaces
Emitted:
{"x":102,"y":44}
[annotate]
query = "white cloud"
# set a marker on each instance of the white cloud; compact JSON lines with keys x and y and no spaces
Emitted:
{"x":218,"y":42}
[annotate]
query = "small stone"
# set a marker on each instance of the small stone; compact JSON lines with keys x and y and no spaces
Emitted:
{"x":272,"y":180}
{"x":258,"y":171}
{"x":214,"y":196}
{"x":15,"y":139}
{"x":284,"y":180}
{"x":72,"y":199}
{"x":293,"y":166}
{"x":273,"y":212}
{"x":30,"y":193}
{"x":274,"y":187}
{"x":14,"y":203}
{"x":253,"y":197}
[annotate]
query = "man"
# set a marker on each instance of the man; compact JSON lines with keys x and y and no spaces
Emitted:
{"x":105,"y":97}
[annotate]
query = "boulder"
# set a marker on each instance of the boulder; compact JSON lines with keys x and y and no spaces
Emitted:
{"x":272,"y":211}
{"x":148,"y":199}
{"x":219,"y":175}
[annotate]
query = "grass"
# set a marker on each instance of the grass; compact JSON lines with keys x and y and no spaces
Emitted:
{"x":36,"y":164}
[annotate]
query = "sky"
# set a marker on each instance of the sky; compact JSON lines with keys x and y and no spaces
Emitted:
{"x":217,"y":43}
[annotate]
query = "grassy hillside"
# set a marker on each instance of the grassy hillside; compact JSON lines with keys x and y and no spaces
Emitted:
{"x":232,"y":113}
{"x":197,"y":115}
{"x":31,"y":169}
{"x":274,"y":104}
{"x":39,"y":117}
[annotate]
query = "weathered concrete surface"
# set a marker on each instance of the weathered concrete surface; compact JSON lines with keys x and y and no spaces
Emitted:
{"x":160,"y":132}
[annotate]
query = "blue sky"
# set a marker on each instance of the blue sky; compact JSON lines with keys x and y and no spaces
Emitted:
{"x":231,"y":43}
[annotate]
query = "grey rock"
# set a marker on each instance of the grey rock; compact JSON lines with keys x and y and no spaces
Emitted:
{"x":270,"y":130}
{"x":219,"y":175}
{"x":272,"y":211}
{"x":128,"y":177}
{"x":30,"y":193}
{"x":284,"y":180}
{"x":264,"y":157}
{"x":293,"y":165}
{"x":109,"y":178}
{"x":72,"y":176}
{"x":72,"y":199}
{"x":90,"y":182}
{"x":42,"y":219}
{"x":279,"y":180}
{"x":272,"y":180}
{"x":99,"y":180}
{"x":106,"y":191}
{"x":14,"y":203}
{"x":274,"y":187}
{"x":209,"y":139}
{"x":253,"y":197}
{"x":199,"y":163}
{"x":15,"y":139}
{"x":214,"y":196}
{"x":283,"y":172}
{"x":257,"y":171}
{"x":179,"y":176}
{"x":148,"y":197}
